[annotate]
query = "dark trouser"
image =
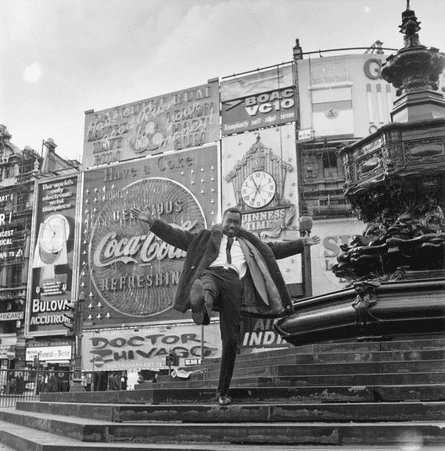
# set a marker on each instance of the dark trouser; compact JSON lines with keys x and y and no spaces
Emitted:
{"x":225,"y":286}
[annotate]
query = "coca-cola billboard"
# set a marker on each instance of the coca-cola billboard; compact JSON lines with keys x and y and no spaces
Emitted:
{"x":127,"y":273}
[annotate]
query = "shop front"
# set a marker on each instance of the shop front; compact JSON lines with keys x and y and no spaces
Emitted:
{"x":8,"y":343}
{"x":52,"y":361}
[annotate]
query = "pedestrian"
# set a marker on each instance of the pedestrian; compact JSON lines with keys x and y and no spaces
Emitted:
{"x":141,"y":379}
{"x":117,"y":381}
{"x":52,"y":382}
{"x":111,"y":382}
{"x":231,"y":270}
{"x":124,"y":380}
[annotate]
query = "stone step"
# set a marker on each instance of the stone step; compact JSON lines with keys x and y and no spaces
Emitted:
{"x":304,"y":380}
{"x":20,"y":438}
{"x":322,"y":393}
{"x":323,"y":371}
{"x":204,"y":395}
{"x":399,"y":348}
{"x":422,"y":344}
{"x":280,"y":433}
{"x":318,"y":369}
{"x":206,"y":380}
{"x":322,"y":358}
{"x":252,"y":413}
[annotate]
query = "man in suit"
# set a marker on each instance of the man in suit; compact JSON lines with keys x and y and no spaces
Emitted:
{"x":231,"y":270}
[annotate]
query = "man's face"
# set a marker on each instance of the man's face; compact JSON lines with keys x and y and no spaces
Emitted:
{"x":231,"y":223}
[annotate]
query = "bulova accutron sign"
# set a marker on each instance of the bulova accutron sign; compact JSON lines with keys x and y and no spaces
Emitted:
{"x":53,"y":256}
{"x":127,"y":273}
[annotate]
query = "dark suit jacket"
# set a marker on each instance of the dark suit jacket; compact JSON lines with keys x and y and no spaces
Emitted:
{"x":265,"y":292}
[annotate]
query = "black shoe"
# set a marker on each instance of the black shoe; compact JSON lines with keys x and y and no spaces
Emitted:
{"x":197,"y":302}
{"x":224,"y":400}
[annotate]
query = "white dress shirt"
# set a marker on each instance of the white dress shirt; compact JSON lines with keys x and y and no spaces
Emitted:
{"x":239,"y":263}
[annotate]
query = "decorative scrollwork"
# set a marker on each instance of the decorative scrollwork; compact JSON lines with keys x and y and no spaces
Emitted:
{"x":365,"y":299}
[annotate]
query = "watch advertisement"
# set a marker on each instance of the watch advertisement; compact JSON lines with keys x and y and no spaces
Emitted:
{"x":175,"y":121}
{"x":128,"y":274}
{"x":52,"y":256}
{"x":260,"y":177}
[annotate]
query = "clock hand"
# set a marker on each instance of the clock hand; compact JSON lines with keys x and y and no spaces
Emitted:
{"x":253,"y":181}
{"x":260,"y":188}
{"x":267,"y":182}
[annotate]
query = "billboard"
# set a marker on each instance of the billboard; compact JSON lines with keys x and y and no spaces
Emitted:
{"x":127,"y":273}
{"x":12,"y":233}
{"x":174,"y":121}
{"x":49,"y":354}
{"x":256,"y":83}
{"x":333,"y":234}
{"x":259,"y":334}
{"x":146,"y":347}
{"x":344,"y":95}
{"x":53,"y":256}
{"x":258,"y":100}
{"x":260,"y":177}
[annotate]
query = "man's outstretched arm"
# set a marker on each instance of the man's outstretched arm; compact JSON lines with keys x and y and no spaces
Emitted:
{"x":171,"y":235}
{"x":284,"y":249}
{"x":311,"y":240}
{"x":137,"y":213}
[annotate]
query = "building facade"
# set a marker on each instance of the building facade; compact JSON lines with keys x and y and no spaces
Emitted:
{"x":16,"y":189}
{"x":19,"y":170}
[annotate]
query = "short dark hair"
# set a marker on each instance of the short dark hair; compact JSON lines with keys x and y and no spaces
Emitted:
{"x":233,"y":210}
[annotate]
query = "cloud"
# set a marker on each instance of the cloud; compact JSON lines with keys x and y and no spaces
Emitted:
{"x":32,"y":73}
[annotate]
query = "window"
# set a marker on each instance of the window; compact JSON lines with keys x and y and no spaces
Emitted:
{"x":330,"y":168}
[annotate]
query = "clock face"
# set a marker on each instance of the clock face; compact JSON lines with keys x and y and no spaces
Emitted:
{"x":332,"y":112}
{"x":54,"y":233}
{"x":258,"y":189}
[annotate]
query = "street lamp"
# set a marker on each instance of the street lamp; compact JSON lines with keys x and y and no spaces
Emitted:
{"x":306,"y":222}
{"x":76,"y":384}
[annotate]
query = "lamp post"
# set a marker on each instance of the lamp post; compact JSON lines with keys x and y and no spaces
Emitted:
{"x":306,"y":223}
{"x":76,"y":384}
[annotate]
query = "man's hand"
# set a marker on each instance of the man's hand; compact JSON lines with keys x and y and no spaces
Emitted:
{"x":311,"y":240}
{"x":137,"y":213}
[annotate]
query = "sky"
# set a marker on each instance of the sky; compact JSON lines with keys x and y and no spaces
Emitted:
{"x":60,"y":58}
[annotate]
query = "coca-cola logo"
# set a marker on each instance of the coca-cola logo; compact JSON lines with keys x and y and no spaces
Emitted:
{"x":132,"y":270}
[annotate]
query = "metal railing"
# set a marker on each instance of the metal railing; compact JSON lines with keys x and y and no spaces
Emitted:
{"x":26,"y":384}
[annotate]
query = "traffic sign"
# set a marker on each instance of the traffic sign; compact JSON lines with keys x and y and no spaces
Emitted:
{"x":10,"y":353}
{"x":98,"y":362}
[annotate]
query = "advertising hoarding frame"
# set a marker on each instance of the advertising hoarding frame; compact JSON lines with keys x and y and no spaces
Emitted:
{"x":271,"y":156}
{"x":169,"y":122}
{"x":258,"y":100}
{"x":70,"y":258}
{"x":124,"y":179}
